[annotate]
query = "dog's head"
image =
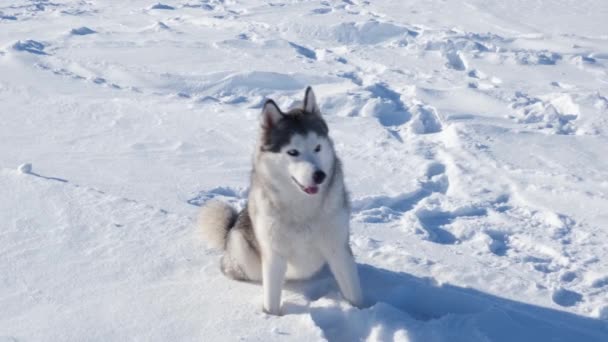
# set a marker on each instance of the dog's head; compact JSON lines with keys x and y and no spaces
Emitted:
{"x":296,"y":147}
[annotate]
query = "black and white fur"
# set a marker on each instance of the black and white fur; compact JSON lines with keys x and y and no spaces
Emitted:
{"x":297,"y":216}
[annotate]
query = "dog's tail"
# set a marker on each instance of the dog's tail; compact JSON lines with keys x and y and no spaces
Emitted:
{"x":215,"y":220}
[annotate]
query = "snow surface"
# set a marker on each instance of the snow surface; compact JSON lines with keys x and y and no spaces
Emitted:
{"x":474,"y":136}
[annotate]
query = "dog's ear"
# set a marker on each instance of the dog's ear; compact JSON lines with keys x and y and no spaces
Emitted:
{"x":310,"y":102}
{"x":271,"y":114}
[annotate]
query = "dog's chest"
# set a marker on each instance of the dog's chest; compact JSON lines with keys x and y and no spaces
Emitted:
{"x":294,"y":239}
{"x":294,"y":234}
{"x":299,"y":244}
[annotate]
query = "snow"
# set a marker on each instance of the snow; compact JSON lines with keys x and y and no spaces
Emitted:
{"x":25,"y":168}
{"x":473,"y":136}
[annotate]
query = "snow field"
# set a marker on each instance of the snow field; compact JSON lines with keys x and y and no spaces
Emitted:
{"x":473,"y":136}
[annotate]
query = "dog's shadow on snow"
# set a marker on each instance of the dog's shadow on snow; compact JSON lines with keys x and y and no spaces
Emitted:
{"x":402,"y":306}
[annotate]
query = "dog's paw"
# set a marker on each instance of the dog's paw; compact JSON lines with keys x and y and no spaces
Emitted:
{"x":359,"y":303}
{"x":273,"y":312}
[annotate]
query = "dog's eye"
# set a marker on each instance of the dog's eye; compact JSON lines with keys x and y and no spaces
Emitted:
{"x":318,"y":148}
{"x":293,"y":153}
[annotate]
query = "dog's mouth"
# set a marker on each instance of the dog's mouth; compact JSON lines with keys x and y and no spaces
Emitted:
{"x":311,"y":190}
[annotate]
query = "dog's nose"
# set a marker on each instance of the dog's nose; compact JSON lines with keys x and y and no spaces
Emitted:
{"x":318,"y":176}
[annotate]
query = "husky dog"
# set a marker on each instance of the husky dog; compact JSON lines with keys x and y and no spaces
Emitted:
{"x":297,"y":215}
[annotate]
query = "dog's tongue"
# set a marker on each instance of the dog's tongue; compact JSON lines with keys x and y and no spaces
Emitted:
{"x":311,"y":190}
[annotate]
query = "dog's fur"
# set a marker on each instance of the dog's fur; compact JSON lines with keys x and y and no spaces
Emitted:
{"x":297,"y":216}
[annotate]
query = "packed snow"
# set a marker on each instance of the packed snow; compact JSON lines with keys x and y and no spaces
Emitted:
{"x":473,"y":134}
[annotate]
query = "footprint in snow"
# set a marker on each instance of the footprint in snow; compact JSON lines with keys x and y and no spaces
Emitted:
{"x":383,"y":208}
{"x":322,"y":10}
{"x":434,"y":222}
{"x":233,"y":196}
{"x":82,"y":31}
{"x":600,"y":282}
{"x":455,"y":60}
{"x":568,"y":277}
{"x":160,"y":6}
{"x":206,"y":7}
{"x":553,"y":113}
{"x":304,"y":51}
{"x":386,"y":105}
{"x":566,"y":298}
{"x":537,"y":57}
{"x":7,"y":17}
{"x":425,"y":120}
{"x":499,"y":244}
{"x":30,"y":46}
{"x":350,"y":75}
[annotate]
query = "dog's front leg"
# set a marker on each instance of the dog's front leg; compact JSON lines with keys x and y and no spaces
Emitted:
{"x":342,"y":264}
{"x":274,"y":267}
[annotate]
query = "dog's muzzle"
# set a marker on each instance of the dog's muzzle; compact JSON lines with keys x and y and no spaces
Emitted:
{"x":311,"y":190}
